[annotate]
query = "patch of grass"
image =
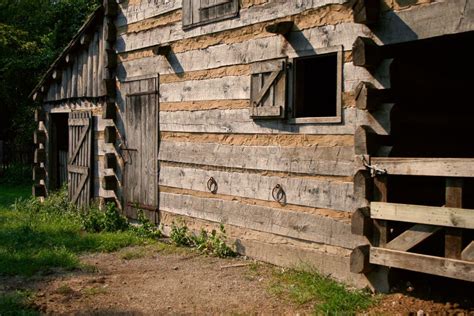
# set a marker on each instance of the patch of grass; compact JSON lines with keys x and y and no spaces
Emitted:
{"x":134,"y":253}
{"x":17,"y":303}
{"x":92,"y":291}
{"x":41,"y":237}
{"x":9,"y":193}
{"x":328,"y":296}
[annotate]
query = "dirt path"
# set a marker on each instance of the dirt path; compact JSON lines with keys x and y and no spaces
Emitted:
{"x":182,"y":283}
{"x":144,"y":281}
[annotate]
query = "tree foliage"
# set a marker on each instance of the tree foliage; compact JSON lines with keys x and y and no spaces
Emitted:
{"x":32,"y":34}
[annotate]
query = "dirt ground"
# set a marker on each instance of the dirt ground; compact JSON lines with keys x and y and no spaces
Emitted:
{"x":138,"y":282}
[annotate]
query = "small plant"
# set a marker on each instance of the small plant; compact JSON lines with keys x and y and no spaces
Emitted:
{"x":146,"y":228}
{"x":213,"y":243}
{"x":95,"y":220}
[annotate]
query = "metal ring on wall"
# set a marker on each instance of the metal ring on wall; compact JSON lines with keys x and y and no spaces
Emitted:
{"x":212,"y":185}
{"x":279,"y":194}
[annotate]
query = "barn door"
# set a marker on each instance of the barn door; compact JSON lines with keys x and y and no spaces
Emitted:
{"x":79,"y":160}
{"x":140,"y":148}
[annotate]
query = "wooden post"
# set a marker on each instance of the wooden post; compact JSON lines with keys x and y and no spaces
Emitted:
{"x":366,"y":53}
{"x":380,"y":226}
{"x":453,"y":237}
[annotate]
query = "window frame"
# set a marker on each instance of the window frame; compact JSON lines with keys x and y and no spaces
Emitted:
{"x":189,"y":4}
{"x":339,"y":50}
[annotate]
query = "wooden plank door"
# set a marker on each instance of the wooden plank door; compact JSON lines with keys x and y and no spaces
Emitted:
{"x":140,"y":148}
{"x":80,"y":157}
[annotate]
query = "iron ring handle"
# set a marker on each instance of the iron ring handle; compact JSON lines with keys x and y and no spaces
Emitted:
{"x":278,"y":194}
{"x":212,"y":185}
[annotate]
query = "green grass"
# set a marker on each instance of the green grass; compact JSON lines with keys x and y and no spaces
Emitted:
{"x":17,"y":303}
{"x":326,"y":295}
{"x":9,"y":193}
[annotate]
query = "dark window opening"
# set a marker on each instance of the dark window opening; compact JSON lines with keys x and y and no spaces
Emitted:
{"x":315,"y":86}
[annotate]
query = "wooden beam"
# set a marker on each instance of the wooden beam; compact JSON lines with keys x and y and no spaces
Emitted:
{"x":451,"y":268}
{"x":110,"y":161}
{"x":110,"y":87}
{"x":110,"y":58}
{"x":39,"y":190}
{"x":429,"y":215}
{"x":111,"y":7}
{"x":468,"y":252}
{"x":453,"y":236}
{"x":363,"y":188}
{"x":110,"y":134}
{"x":367,"y":141}
{"x":109,"y":112}
{"x":40,"y":155}
{"x":39,"y":137}
{"x":436,"y":167}
{"x":39,"y":173}
{"x":162,"y":50}
{"x":109,"y":182}
{"x":412,"y":237}
{"x":366,"y":11}
{"x":366,"y":53}
{"x":361,"y":223}
{"x":359,"y":261}
{"x":370,"y":98}
{"x":281,"y":28}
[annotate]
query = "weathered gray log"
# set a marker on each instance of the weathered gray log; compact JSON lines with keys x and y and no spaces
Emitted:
{"x":110,"y":161}
{"x":370,"y":98}
{"x":40,"y":115}
{"x":111,"y":8}
{"x":110,"y":134}
{"x":109,"y":111}
{"x":366,"y":53}
{"x":109,"y":182}
{"x":361,"y":223}
{"x":40,"y":155}
{"x":162,"y":50}
{"x":367,"y":141}
{"x":110,"y":31}
{"x":281,"y":28}
{"x":39,"y":137}
{"x":412,"y":237}
{"x":39,"y":190}
{"x":110,"y":58}
{"x":359,"y":262}
{"x":39,"y":173}
{"x":366,"y":11}
{"x":110,"y":87}
{"x":363,"y":188}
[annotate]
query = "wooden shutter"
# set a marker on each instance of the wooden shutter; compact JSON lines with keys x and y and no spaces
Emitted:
{"x":268,"y":89}
{"x":80,"y":157}
{"x":199,"y":12}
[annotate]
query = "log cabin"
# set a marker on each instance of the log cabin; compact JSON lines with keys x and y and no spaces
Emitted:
{"x":329,"y":133}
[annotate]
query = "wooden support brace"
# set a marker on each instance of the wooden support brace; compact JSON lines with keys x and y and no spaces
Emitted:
{"x":40,"y":115}
{"x":39,"y":173}
{"x":370,"y":98}
{"x":366,"y":53}
{"x":39,"y":137}
{"x":468,"y":253}
{"x":110,"y":134}
{"x":109,"y":112}
{"x":110,"y":182}
{"x":110,"y":161}
{"x":39,"y":190}
{"x":359,"y":260}
{"x":366,"y":11}
{"x":412,"y":237}
{"x":111,"y":8}
{"x":162,"y":50}
{"x":40,"y":155}
{"x":282,"y":28}
{"x":361,"y":223}
{"x":110,"y":58}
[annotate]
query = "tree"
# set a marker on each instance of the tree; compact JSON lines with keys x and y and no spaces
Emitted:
{"x":32,"y":35}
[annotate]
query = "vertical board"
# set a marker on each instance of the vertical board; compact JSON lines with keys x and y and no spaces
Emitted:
{"x":140,"y":150}
{"x":80,"y":157}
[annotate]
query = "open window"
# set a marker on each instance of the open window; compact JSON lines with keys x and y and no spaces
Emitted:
{"x":316,"y":87}
{"x":199,"y":12}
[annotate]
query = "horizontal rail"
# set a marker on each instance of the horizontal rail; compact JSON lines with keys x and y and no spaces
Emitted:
{"x":452,"y":268}
{"x":429,"y":215}
{"x":436,"y":167}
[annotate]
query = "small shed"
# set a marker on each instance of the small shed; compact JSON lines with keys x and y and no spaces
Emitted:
{"x":334,"y":133}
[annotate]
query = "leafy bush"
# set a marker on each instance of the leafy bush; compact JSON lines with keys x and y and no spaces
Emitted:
{"x":16,"y":174}
{"x":146,"y":228}
{"x":213,"y":243}
{"x":94,"y":220}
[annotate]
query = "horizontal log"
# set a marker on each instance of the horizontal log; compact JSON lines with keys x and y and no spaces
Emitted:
{"x":317,"y":160}
{"x":367,"y":141}
{"x":233,"y":87}
{"x":40,"y":155}
{"x":40,"y":115}
{"x":239,"y":121}
{"x":110,"y":31}
{"x":304,"y":226}
{"x":429,"y":215}
{"x":281,"y":28}
{"x":110,"y":134}
{"x":370,"y":98}
{"x":110,"y":87}
{"x":110,"y":161}
{"x":39,"y":190}
{"x":109,"y":110}
{"x":359,"y":262}
{"x":436,"y":167}
{"x":109,"y":182}
{"x":361,"y":224}
{"x":366,"y":53}
{"x":366,"y":11}
{"x":39,"y":137}
{"x":300,"y":191}
{"x":39,"y":173}
{"x":111,"y":7}
{"x":451,"y":268}
{"x":162,"y":50}
{"x":110,"y":58}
